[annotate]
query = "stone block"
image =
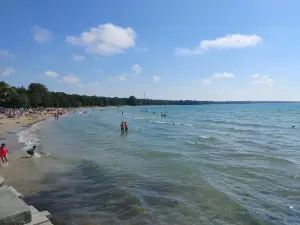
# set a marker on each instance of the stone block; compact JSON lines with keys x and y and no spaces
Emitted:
{"x":13,"y":210}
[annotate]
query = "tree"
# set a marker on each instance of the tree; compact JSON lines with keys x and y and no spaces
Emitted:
{"x":7,"y":93}
{"x":36,"y":93}
{"x":132,"y":101}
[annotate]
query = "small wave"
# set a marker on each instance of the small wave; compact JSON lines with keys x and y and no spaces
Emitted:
{"x":188,"y":125}
{"x":271,"y":159}
{"x":159,"y":122}
{"x":170,"y":123}
{"x":138,"y":118}
{"x":206,"y":138}
{"x":182,"y":124}
{"x":200,"y":145}
{"x":244,"y":131}
{"x":29,"y":136}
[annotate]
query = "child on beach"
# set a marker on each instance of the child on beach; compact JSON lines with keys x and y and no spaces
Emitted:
{"x":3,"y":154}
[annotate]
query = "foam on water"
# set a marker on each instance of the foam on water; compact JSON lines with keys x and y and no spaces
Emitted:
{"x":161,"y":122}
{"x":29,"y":137}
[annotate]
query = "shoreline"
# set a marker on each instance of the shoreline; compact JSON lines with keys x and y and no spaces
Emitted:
{"x":8,"y":125}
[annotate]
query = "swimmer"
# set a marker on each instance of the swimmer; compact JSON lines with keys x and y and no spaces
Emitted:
{"x":31,"y":151}
{"x":125,"y":126}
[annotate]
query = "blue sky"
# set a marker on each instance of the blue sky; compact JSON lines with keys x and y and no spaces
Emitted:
{"x":203,"y":50}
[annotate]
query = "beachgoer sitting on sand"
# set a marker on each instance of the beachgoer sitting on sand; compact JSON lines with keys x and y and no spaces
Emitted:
{"x":31,"y":151}
{"x":3,"y":154}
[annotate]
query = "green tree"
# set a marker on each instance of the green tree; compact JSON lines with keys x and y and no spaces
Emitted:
{"x":132,"y":101}
{"x":7,"y":93}
{"x":37,"y":93}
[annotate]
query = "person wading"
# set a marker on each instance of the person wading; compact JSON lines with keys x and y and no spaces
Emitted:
{"x":122,"y":126}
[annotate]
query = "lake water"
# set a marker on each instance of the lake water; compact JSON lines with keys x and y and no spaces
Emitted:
{"x":212,"y":164}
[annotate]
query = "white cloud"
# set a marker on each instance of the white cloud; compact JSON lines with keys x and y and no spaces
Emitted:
{"x":106,"y":39}
{"x":123,"y":77}
{"x":156,"y":79}
{"x":137,"y":69}
{"x":80,"y":85}
{"x":41,"y":35}
{"x":78,"y":57}
{"x":51,"y":74}
{"x":230,"y":41}
{"x":7,"y":72}
{"x":186,"y":51}
{"x":263,"y":81}
{"x":3,"y":53}
{"x":255,"y":76}
{"x":223,"y":75}
{"x":71,"y":79}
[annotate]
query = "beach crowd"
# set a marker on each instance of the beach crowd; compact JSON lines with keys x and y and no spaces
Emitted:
{"x":17,"y":113}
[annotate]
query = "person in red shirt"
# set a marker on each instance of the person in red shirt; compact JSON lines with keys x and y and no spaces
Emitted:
{"x":122,"y":126}
{"x":3,"y":154}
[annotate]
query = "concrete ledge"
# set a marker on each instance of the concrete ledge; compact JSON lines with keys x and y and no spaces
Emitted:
{"x":19,"y":195}
{"x":1,"y":181}
{"x":13,"y":210}
{"x":33,"y":210}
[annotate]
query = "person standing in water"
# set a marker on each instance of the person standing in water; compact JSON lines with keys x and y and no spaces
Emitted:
{"x":125,"y":126}
{"x":122,"y":126}
{"x":3,"y":154}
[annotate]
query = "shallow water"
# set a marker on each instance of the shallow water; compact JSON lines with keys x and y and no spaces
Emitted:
{"x":226,"y":164}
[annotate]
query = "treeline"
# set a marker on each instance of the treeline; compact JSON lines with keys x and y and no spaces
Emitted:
{"x":37,"y":95}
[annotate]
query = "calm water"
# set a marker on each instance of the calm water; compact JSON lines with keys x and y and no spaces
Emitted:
{"x":227,"y":164}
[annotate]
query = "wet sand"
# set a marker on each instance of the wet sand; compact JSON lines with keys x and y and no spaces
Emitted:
{"x":8,"y":125}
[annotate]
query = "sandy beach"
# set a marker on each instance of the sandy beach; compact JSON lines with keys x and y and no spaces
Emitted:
{"x":7,"y":124}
